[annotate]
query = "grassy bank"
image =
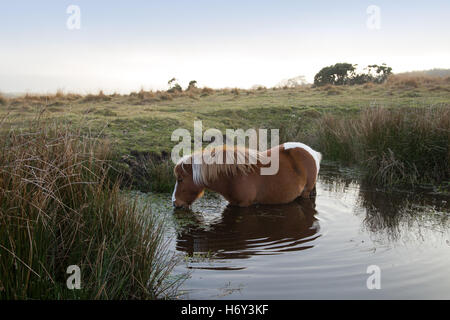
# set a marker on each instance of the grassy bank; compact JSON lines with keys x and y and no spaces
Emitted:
{"x":392,"y":146}
{"x":139,"y":125}
{"x":143,"y":121}
{"x":58,"y":208}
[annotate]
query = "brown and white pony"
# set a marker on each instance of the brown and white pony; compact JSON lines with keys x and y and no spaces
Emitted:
{"x":241,"y":183}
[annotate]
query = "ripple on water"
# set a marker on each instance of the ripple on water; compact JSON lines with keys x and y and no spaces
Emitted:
{"x":317,"y":249}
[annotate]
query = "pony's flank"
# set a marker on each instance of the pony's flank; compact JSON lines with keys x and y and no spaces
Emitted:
{"x":315,"y":154}
{"x":210,"y":164}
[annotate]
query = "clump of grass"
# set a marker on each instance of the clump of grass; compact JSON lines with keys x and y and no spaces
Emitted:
{"x":106,"y":112}
{"x":160,"y":174}
{"x":45,"y":99}
{"x":235,"y":91}
{"x":414,"y":81}
{"x":330,"y":89}
{"x":149,"y":172}
{"x":369,"y":85}
{"x":96,"y":97}
{"x":3,"y":100}
{"x":192,"y":94}
{"x":409,"y":145}
{"x":144,"y":97}
{"x":165,"y":96}
{"x":333,"y":92}
{"x":58,"y":208}
{"x":334,"y":139}
{"x":259,"y":88}
{"x":206,"y":91}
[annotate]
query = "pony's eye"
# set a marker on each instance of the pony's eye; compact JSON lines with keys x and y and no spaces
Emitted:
{"x":180,"y":180}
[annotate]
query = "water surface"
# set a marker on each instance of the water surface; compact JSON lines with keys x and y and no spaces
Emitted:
{"x":315,"y":249}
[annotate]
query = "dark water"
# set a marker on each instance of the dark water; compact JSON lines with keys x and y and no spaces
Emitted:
{"x":316,"y":249}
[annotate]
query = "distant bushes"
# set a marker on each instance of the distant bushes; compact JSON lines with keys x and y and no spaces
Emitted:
{"x":346,"y":74}
{"x":192,"y":85}
{"x":174,"y":86}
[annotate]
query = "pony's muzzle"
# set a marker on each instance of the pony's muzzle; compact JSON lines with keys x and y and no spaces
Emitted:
{"x":177,"y":206}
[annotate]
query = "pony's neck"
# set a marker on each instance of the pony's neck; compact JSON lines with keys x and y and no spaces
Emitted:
{"x":222,"y":186}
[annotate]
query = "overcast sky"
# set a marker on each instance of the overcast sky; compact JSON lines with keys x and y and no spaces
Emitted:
{"x":132,"y":44}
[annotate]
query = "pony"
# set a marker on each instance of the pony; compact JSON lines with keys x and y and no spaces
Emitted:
{"x":240,"y":181}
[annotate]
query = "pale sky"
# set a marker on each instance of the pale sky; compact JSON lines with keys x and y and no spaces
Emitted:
{"x":123,"y":46}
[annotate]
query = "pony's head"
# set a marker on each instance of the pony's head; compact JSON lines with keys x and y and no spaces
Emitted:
{"x":186,"y":190}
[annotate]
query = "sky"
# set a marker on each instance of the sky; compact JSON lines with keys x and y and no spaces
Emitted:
{"x":123,"y":46}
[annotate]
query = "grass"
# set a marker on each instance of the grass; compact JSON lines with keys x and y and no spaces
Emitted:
{"x":394,"y":146}
{"x":139,"y":125}
{"x":143,"y":121}
{"x":59,"y":208}
{"x":147,"y":172}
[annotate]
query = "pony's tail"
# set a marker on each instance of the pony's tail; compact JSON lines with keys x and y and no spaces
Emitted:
{"x":319,"y":155}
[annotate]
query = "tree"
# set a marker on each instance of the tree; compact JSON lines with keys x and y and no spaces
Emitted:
{"x":338,"y":74}
{"x":192,"y":85}
{"x":174,"y":86}
{"x":345,"y":73}
{"x":292,"y":82}
{"x":382,"y":72}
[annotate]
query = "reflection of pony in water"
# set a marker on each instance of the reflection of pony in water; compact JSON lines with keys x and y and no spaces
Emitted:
{"x":241,"y":182}
{"x":244,"y":232}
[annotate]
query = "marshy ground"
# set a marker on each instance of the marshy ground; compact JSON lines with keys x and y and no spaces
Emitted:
{"x":63,"y":155}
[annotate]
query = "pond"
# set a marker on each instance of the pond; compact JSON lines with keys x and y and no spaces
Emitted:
{"x":352,"y":242}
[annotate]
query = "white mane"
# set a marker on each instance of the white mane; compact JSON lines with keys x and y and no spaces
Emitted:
{"x":209,"y":165}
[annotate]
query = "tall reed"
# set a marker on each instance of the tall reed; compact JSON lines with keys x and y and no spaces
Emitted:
{"x":59,"y":208}
{"x":395,"y":146}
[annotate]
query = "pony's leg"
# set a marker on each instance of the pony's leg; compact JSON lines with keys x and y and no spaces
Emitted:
{"x":306,"y":194}
{"x":309,"y":194}
{"x":313,"y":193}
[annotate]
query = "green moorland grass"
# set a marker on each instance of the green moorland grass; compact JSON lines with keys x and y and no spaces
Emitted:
{"x":58,"y":208}
{"x":394,"y":146}
{"x":140,"y":125}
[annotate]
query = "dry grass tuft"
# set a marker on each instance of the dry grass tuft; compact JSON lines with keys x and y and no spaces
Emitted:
{"x":408,"y":81}
{"x":408,"y":145}
{"x":3,"y":100}
{"x":206,"y":91}
{"x":59,"y":208}
{"x":96,"y":97}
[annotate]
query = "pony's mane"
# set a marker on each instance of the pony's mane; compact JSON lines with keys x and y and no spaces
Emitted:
{"x":205,"y":170}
